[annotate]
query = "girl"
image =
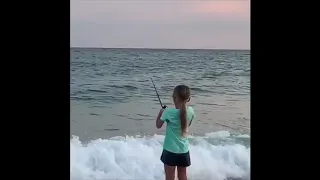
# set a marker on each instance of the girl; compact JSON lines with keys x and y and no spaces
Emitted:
{"x":176,"y":145}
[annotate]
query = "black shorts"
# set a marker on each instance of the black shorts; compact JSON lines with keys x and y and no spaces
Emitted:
{"x":173,"y":159}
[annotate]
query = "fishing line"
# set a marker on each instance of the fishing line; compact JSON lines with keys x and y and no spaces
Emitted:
{"x":163,"y":106}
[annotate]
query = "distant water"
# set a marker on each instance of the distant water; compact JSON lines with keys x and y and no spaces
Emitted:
{"x":114,"y":106}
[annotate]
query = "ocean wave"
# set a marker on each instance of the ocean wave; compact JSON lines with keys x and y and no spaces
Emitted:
{"x":139,"y":158}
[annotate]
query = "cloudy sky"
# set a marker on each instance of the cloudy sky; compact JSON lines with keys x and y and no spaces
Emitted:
{"x":209,"y":24}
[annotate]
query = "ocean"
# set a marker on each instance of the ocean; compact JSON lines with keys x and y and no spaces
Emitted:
{"x":114,"y":107}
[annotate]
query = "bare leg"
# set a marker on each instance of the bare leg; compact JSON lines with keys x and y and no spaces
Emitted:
{"x":170,"y":172}
{"x":182,"y":173}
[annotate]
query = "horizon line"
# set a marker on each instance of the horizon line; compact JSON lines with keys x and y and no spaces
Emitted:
{"x":159,"y":48}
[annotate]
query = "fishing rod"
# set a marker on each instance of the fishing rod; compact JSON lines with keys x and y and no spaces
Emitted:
{"x":163,"y":106}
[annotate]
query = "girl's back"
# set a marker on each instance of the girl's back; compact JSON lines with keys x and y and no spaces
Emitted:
{"x":174,"y":142}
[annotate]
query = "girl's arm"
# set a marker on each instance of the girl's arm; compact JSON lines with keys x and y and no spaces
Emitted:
{"x":159,"y":123}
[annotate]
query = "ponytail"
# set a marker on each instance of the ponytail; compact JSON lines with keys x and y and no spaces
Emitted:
{"x":181,"y":95}
{"x":183,"y":119}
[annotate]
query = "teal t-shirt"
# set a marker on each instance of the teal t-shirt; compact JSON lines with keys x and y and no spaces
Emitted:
{"x":173,"y":141}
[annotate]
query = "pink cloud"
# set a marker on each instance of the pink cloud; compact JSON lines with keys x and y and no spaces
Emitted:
{"x":224,"y":9}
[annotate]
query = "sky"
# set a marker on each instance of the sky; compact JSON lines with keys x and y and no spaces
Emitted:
{"x":172,"y":24}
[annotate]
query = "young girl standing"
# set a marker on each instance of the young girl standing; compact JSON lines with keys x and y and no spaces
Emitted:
{"x":176,"y":145}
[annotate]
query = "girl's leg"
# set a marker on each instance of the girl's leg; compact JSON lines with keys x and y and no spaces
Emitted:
{"x":170,"y":172}
{"x":182,"y":173}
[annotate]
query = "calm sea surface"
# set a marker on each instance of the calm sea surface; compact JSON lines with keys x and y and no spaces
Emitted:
{"x":111,"y":91}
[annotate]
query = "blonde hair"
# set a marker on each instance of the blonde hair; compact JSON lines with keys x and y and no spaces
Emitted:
{"x":183,"y":93}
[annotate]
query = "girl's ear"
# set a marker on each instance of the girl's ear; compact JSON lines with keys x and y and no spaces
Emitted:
{"x":188,"y":99}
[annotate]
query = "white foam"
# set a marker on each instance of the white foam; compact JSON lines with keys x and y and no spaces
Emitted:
{"x":218,"y":134}
{"x":243,"y":136}
{"x":139,"y":158}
